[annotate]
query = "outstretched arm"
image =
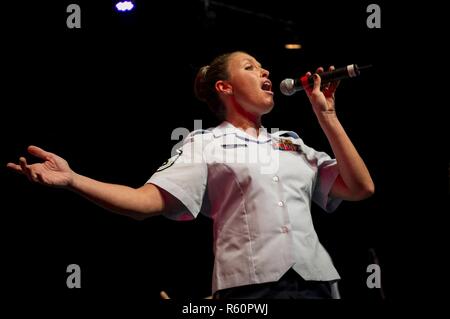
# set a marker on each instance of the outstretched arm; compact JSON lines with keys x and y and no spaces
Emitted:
{"x":354,"y":181}
{"x":136,"y":203}
{"x":54,"y":171}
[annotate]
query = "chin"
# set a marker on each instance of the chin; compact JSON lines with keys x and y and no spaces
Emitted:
{"x":268,"y":108}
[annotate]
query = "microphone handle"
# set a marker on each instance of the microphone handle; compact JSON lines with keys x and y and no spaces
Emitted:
{"x":349,"y":71}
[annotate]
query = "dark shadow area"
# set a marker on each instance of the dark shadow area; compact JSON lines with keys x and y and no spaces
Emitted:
{"x":107,"y":97}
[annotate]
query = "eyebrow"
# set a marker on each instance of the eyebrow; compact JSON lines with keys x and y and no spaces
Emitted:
{"x":253,"y":62}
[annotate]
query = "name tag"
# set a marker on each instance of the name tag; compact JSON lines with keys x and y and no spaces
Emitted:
{"x":233,"y":145}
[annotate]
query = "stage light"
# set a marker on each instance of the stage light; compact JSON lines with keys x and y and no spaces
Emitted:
{"x":124,"y":6}
{"x":293,"y":46}
{"x":292,"y":40}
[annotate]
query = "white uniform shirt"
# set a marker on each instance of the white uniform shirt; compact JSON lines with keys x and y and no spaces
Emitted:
{"x":258,"y":193}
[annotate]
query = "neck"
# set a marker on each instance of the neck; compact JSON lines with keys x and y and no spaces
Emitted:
{"x":250,"y":123}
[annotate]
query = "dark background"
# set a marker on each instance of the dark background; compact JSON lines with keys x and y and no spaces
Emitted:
{"x":106,"y":97}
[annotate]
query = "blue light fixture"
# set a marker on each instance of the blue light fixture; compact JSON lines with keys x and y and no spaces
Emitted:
{"x":124,"y":6}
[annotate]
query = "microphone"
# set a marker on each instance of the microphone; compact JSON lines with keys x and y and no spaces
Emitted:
{"x":290,"y":86}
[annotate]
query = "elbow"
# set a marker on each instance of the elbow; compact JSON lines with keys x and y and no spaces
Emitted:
{"x":366,"y":191}
{"x":370,"y":189}
{"x":140,"y":216}
{"x":133,"y":215}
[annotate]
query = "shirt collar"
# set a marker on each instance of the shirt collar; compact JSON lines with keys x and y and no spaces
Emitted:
{"x":226,"y":128}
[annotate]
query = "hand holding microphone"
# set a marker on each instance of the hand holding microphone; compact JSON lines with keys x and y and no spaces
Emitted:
{"x":290,"y":86}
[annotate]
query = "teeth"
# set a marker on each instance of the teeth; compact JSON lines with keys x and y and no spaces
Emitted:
{"x":266,"y":86}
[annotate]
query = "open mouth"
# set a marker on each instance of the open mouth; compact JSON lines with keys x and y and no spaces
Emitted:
{"x":267,"y":86}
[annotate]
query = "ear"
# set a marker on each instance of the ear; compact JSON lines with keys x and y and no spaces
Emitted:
{"x":224,"y":87}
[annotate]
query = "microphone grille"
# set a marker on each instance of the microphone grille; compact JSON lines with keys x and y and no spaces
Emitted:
{"x":287,"y":87}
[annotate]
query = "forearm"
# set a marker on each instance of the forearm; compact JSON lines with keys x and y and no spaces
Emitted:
{"x":118,"y":198}
{"x":352,"y":169}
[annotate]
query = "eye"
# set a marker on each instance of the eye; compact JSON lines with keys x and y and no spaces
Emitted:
{"x":249,"y":67}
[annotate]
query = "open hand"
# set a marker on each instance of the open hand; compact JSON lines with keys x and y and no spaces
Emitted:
{"x":53,"y":171}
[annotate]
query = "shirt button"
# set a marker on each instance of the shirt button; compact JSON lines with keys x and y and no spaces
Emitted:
{"x":275,"y":179}
{"x":284,"y":229}
{"x":281,"y":204}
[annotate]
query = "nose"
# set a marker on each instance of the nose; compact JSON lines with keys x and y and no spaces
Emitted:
{"x":264,"y":73}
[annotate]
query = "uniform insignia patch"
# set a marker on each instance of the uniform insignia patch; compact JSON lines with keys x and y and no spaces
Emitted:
{"x":170,"y":161}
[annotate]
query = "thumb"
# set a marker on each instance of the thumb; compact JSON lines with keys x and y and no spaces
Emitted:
{"x":39,"y":152}
{"x":164,"y":295}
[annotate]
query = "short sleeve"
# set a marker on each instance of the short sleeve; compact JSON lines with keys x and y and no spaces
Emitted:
{"x":326,"y":176}
{"x":184,"y":176}
{"x":327,"y":172}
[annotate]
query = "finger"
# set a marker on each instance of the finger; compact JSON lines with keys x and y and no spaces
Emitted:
{"x":38,"y":152}
{"x":164,"y":295}
{"x":23,"y":163}
{"x":33,"y":175}
{"x":305,"y":83}
{"x":334,"y":84}
{"x":14,"y":167}
{"x":331,"y":68}
{"x":317,"y":82}
{"x":40,"y":179}
{"x":318,"y":71}
{"x":25,"y":168}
